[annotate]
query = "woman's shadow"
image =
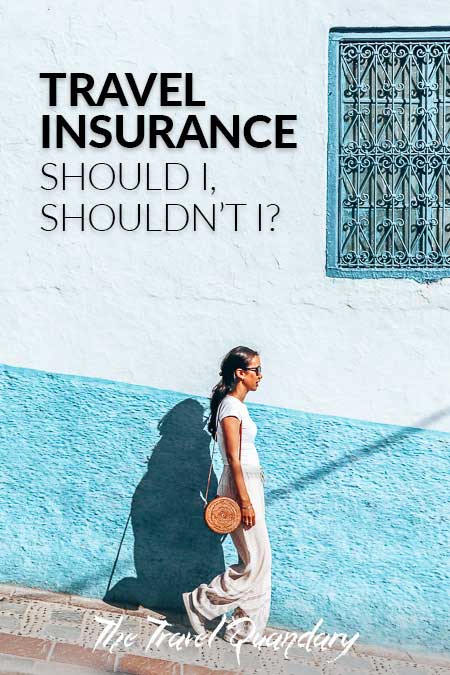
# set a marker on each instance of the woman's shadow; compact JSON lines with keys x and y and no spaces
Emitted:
{"x":174,"y":551}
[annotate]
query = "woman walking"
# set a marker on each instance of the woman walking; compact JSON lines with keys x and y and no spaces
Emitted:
{"x":244,"y":588}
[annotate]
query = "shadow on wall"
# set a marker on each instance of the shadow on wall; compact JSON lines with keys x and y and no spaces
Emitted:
{"x":174,"y":551}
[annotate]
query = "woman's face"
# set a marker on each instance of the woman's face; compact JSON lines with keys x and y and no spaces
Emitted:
{"x":250,"y":378}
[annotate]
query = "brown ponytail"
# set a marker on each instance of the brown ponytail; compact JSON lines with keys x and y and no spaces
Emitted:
{"x":238,"y":357}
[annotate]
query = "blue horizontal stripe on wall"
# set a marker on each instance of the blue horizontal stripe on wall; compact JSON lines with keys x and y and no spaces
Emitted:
{"x":358,"y":513}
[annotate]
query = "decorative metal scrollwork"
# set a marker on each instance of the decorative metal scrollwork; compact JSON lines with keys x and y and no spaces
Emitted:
{"x":394,"y":154}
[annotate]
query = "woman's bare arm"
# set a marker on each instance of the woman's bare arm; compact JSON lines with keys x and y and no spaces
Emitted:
{"x":230,"y":429}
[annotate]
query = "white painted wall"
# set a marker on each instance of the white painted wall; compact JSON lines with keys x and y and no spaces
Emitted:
{"x":162,"y":308}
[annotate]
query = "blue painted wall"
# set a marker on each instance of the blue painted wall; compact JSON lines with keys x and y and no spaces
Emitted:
{"x":358,"y":513}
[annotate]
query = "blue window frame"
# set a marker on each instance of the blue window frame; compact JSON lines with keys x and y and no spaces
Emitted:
{"x":388,"y":210}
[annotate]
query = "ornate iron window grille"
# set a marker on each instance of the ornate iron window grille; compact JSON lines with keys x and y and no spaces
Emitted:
{"x":389,"y":156}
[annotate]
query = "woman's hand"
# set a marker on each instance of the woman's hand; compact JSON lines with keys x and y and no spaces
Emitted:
{"x":248,"y":515}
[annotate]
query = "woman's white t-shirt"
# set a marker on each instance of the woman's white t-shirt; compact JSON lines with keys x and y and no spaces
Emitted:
{"x":231,"y":406}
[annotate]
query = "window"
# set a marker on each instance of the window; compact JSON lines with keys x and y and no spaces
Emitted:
{"x":389,"y":154}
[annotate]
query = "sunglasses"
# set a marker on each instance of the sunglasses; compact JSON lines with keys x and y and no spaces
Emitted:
{"x":257,"y":370}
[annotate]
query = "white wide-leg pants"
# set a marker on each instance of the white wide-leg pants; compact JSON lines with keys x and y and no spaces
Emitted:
{"x":246,"y":586}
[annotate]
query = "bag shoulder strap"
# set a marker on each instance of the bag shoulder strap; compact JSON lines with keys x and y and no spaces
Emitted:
{"x":214,"y":446}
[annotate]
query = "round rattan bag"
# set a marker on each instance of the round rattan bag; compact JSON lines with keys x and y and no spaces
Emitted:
{"x":223,"y":515}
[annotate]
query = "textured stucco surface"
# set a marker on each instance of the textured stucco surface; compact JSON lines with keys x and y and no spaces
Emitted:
{"x":358,"y":513}
{"x":160,"y":308}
